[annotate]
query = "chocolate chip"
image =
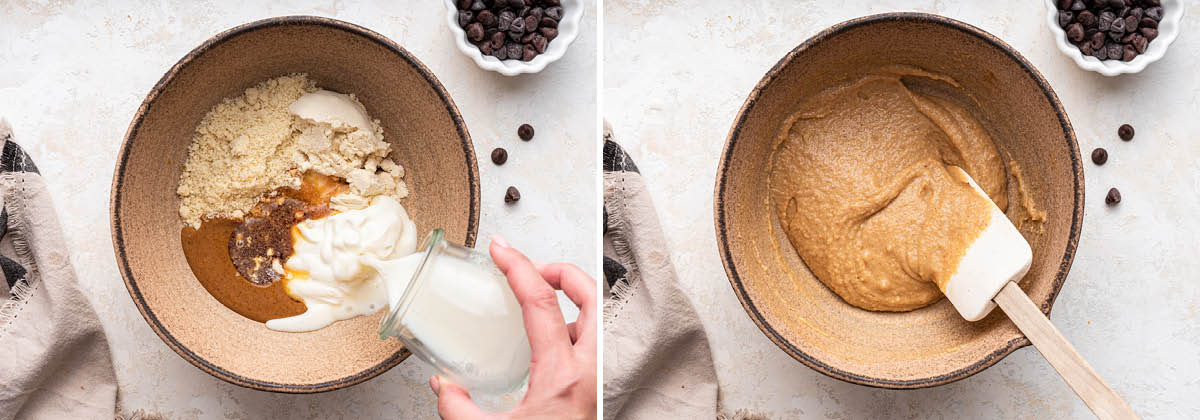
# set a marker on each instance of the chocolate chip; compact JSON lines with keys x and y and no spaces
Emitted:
{"x":464,"y":4}
{"x":1075,"y":32}
{"x":517,"y":26}
{"x":539,"y":43}
{"x":1086,"y":49}
{"x":531,"y":52}
{"x":1117,"y":27}
{"x":1128,"y":38}
{"x":1099,"y":156}
{"x":549,"y":33}
{"x":1078,"y":5}
{"x":475,"y":32}
{"x":487,"y":18}
{"x":531,"y":23}
{"x":1116,"y":4}
{"x":514,"y":50}
{"x":1125,"y":132}
{"x":525,"y":132}
{"x":555,"y":13}
{"x":504,"y":22}
{"x":1128,"y":53}
{"x":464,"y":18}
{"x":485,"y":48}
{"x":1114,"y":50}
{"x":516,"y":4}
{"x":1148,"y":23}
{"x":547,"y":23}
{"x":1113,"y":197}
{"x":1152,"y":2}
{"x":1131,"y":23}
{"x":1136,"y":12}
{"x":500,"y":53}
{"x":528,"y":37}
{"x":512,"y":195}
{"x":1100,"y":53}
{"x":536,"y":12}
{"x":499,"y":156}
{"x":1087,"y":18}
{"x":1139,"y":43}
{"x":477,"y":6}
{"x":1149,"y":33}
{"x":1097,"y":41}
{"x":1065,"y":4}
{"x":497,"y":40}
{"x":1104,"y":23}
{"x":1155,"y":13}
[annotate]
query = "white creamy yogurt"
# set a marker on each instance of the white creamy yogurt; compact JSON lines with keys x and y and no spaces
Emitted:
{"x":326,"y":270}
{"x":338,"y":110}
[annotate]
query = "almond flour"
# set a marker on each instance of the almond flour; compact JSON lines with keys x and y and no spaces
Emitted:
{"x":252,"y":144}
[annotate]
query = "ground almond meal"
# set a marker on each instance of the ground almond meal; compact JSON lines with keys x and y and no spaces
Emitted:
{"x":251,"y":144}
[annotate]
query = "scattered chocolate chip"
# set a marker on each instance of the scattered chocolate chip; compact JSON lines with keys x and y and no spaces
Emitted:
{"x":525,"y":132}
{"x":512,"y":195}
{"x":499,"y":155}
{"x":1099,"y":156}
{"x":1075,"y":32}
{"x":1125,"y":132}
{"x":1111,"y":199}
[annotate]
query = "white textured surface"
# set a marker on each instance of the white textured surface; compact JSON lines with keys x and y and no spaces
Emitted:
{"x":675,"y":74}
{"x":72,"y":74}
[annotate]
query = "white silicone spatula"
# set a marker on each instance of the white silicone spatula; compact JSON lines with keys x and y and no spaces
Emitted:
{"x":987,"y":276}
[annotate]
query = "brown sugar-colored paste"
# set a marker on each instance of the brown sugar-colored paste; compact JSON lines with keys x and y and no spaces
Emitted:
{"x":233,"y":259}
{"x":859,"y":177}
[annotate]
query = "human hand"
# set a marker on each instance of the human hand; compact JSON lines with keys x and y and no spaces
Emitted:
{"x":562,"y":365}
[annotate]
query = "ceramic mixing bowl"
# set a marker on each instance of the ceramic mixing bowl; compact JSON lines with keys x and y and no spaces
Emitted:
{"x":932,"y":345}
{"x":395,"y":87}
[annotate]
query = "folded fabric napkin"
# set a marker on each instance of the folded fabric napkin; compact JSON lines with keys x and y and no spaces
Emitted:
{"x":56,"y":363}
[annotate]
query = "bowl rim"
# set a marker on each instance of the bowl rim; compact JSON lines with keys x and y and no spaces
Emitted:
{"x":127,"y":145}
{"x":721,"y":185}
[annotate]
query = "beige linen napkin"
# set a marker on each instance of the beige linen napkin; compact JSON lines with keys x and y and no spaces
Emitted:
{"x":56,"y":362}
{"x":657,"y":362}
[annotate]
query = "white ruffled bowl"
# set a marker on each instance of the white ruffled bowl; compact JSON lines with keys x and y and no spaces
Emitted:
{"x":1168,"y":30}
{"x":568,"y":29}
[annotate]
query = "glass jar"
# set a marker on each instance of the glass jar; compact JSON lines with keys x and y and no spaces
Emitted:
{"x":459,"y":314}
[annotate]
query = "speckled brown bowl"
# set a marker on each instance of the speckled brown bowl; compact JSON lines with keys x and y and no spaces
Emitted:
{"x":428,"y":138}
{"x":929,"y":346}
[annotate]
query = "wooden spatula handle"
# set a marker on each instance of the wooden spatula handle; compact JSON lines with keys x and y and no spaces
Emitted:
{"x":1103,"y":401}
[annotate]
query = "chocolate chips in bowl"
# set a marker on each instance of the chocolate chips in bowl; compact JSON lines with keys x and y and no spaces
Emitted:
{"x":510,"y":29}
{"x":1110,"y":29}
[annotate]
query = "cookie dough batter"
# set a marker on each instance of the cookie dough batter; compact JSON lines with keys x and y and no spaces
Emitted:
{"x":859,"y":178}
